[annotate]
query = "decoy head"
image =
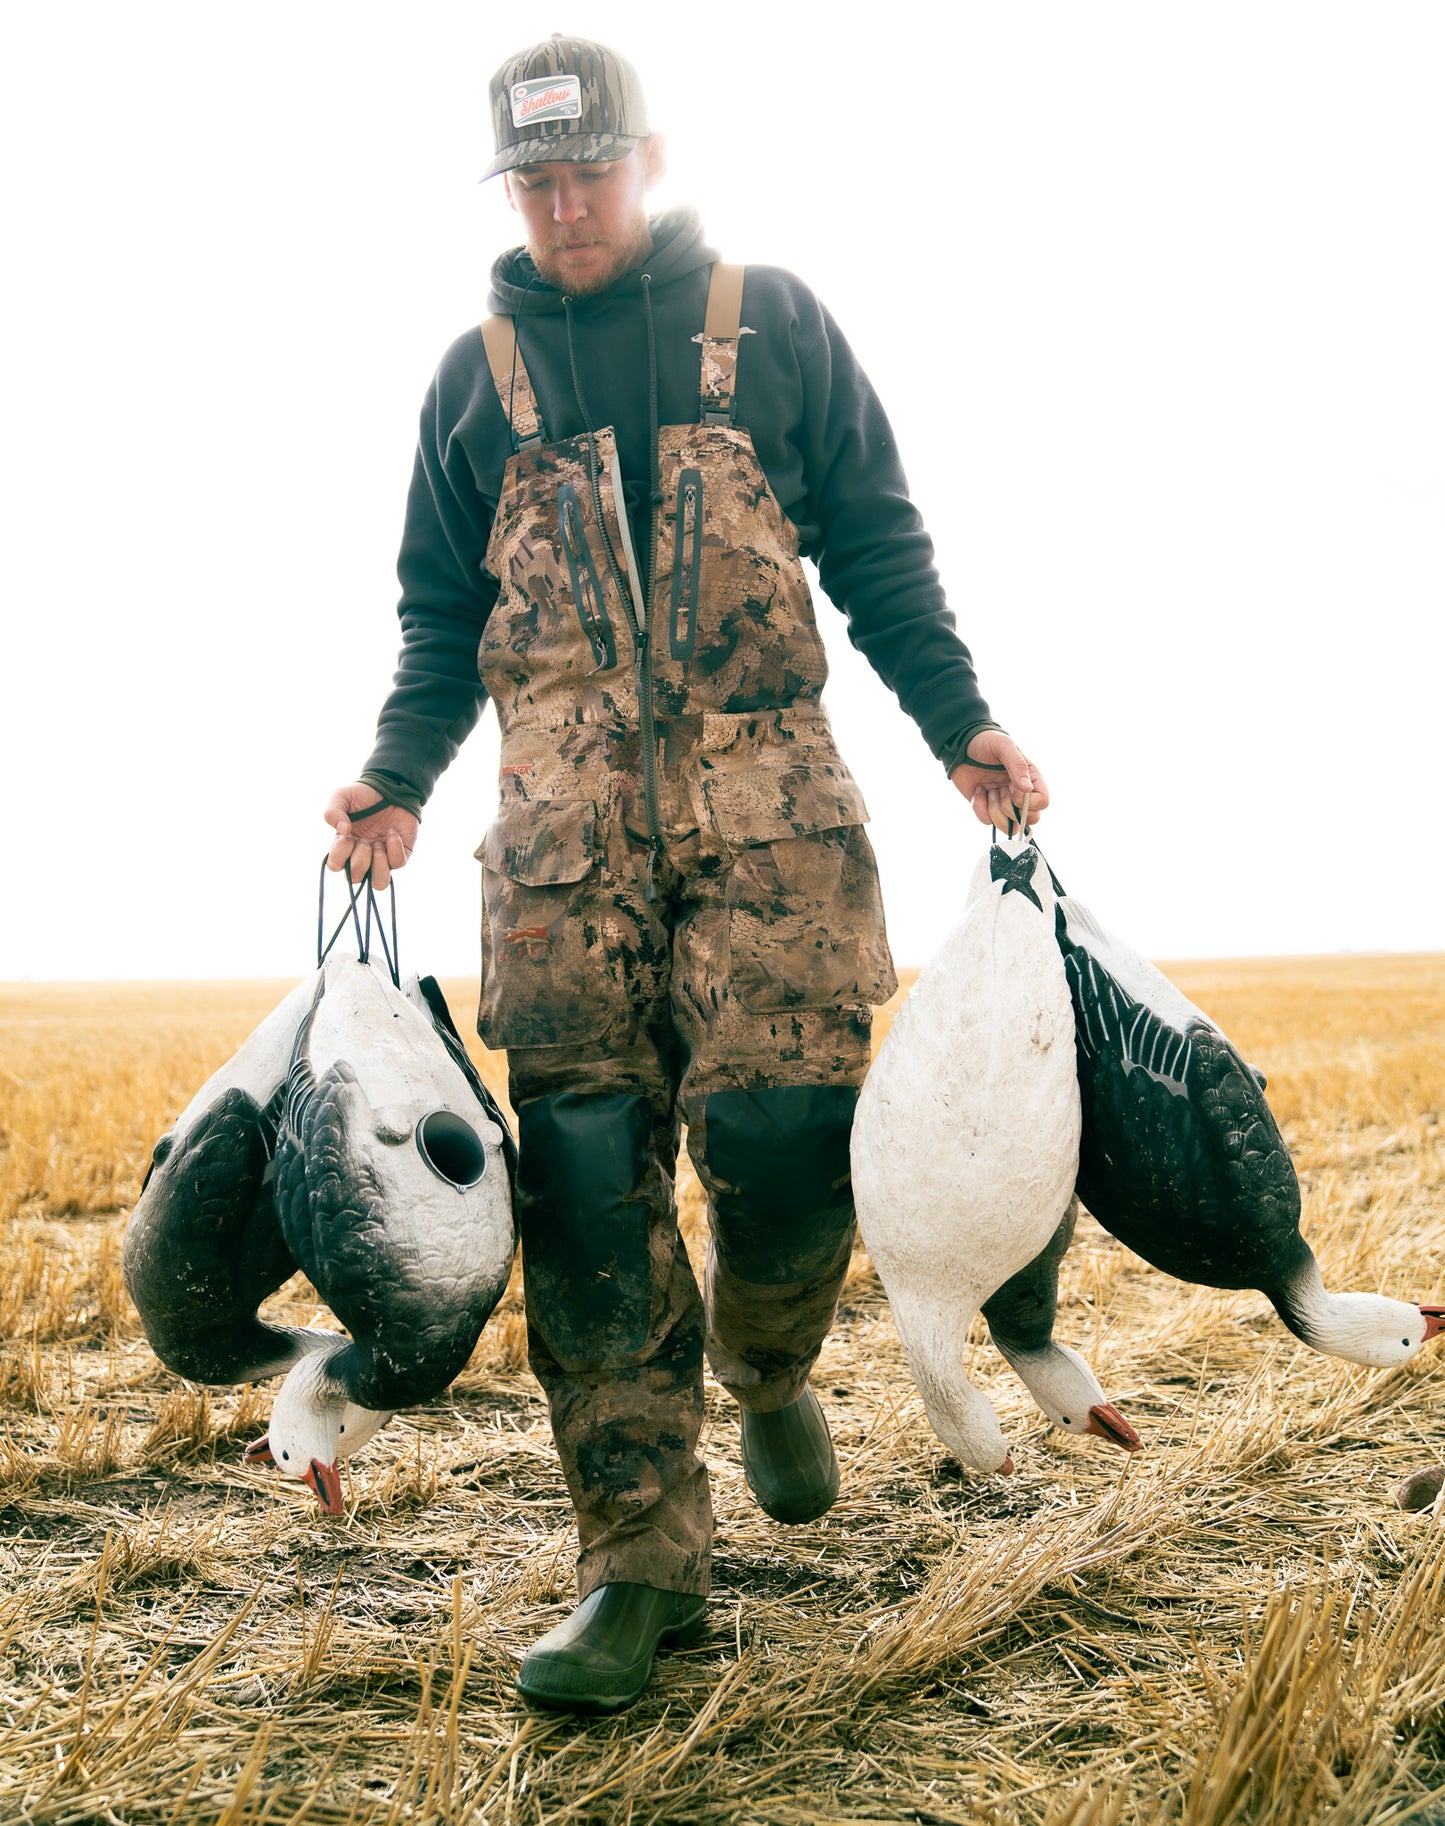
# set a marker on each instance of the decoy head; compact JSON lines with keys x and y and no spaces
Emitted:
{"x":1068,"y":1391}
{"x":1369,"y":1329}
{"x":314,"y":1425}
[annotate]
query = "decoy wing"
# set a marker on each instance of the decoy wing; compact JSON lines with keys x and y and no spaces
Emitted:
{"x":1182,"y":1159}
{"x":202,"y":1247}
{"x":1177,"y":1138}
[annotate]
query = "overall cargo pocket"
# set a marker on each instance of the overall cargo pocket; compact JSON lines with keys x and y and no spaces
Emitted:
{"x":805,"y":915}
{"x":546,"y":977}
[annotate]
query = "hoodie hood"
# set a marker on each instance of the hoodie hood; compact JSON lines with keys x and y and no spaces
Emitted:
{"x":678,"y":248}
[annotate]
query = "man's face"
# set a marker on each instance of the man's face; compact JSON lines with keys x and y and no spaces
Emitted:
{"x":586,"y":222}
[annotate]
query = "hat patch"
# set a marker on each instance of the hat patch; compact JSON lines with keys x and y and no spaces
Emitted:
{"x":546,"y":98}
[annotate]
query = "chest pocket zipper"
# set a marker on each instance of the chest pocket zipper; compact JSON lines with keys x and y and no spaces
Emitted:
{"x":586,"y":584}
{"x":686,"y":555}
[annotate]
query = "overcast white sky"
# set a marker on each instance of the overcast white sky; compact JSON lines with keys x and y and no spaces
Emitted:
{"x":1153,"y":293}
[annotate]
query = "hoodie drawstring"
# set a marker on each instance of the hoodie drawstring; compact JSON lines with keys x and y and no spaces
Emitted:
{"x":654,"y":481}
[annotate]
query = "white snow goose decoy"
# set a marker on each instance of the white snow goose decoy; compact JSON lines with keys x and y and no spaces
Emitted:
{"x":394,"y":1193}
{"x":1181,"y":1158}
{"x":965,"y":1150}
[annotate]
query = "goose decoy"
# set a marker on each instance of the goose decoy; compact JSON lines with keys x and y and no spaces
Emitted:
{"x":393,"y":1190}
{"x":966,"y":1139}
{"x":1182,"y":1160}
{"x":1021,"y":1323}
{"x":202,"y":1247}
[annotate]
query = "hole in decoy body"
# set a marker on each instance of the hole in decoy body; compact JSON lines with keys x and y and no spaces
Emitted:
{"x":451,"y":1149}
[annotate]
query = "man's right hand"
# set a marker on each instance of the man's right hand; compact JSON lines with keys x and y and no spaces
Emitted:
{"x":380,"y":843}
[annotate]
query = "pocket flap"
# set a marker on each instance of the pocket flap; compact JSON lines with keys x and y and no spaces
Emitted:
{"x":543,"y":841}
{"x":762,"y":804}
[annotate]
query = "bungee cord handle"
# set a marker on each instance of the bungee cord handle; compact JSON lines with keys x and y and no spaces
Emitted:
{"x":324,"y":945}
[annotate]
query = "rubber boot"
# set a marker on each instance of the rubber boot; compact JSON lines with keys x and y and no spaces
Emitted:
{"x":600,"y":1659}
{"x":789,"y":1462}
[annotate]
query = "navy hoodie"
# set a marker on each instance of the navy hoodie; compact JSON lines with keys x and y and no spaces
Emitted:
{"x":820,"y":434}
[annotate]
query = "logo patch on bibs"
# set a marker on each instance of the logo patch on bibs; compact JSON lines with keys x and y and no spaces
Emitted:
{"x":546,"y":98}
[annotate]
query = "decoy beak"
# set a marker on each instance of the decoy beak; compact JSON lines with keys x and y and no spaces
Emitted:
{"x":259,"y":1451}
{"x":1106,"y":1422}
{"x":324,"y":1481}
{"x":1434,"y":1317}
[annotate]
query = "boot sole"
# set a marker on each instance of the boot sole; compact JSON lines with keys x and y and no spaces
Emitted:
{"x":556,"y":1699}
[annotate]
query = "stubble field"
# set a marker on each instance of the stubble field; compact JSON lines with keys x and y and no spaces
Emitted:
{"x":1236,"y":1625}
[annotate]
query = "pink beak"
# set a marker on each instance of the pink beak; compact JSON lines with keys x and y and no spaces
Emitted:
{"x":1434,"y":1317}
{"x":259,"y":1451}
{"x":324,"y":1482}
{"x":1107,"y":1422}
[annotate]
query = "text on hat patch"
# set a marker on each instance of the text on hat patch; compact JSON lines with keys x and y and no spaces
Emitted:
{"x":546,"y":98}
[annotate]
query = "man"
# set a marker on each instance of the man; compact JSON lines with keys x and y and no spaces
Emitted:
{"x":681,"y":921}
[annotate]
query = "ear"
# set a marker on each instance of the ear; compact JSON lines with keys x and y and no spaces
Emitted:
{"x":654,"y":159}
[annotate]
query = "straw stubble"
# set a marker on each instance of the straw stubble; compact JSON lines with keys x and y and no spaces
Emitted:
{"x":1240,"y":1625}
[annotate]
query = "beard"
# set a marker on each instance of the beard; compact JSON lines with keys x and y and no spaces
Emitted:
{"x":620,"y":255}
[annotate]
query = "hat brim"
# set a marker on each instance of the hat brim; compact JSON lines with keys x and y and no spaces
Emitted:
{"x":587,"y":147}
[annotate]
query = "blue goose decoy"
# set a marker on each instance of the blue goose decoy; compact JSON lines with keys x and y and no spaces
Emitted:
{"x":1181,"y":1158}
{"x":393,"y":1188}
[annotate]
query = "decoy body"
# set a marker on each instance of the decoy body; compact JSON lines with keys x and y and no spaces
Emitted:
{"x":202,"y":1248}
{"x":965,"y":1150}
{"x":1181,"y":1159}
{"x":393,"y":1192}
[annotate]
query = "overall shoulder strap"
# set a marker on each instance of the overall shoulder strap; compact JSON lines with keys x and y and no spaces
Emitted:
{"x":513,"y":383}
{"x":721,"y":329}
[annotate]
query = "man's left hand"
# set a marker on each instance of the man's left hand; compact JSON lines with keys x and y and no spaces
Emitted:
{"x":998,"y":798}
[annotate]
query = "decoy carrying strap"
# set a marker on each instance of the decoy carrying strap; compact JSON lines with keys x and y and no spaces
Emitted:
{"x":324,"y":945}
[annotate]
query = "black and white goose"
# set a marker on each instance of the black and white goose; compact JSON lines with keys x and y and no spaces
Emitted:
{"x":965,"y":1150}
{"x":393,"y":1190}
{"x":202,"y":1247}
{"x":1181,"y":1158}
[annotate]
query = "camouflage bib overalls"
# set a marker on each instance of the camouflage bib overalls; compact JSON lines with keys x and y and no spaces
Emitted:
{"x":681,"y":923}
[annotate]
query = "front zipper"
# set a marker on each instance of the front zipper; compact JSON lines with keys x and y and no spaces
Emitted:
{"x":687,"y":551}
{"x":639,"y":623}
{"x":586,"y":584}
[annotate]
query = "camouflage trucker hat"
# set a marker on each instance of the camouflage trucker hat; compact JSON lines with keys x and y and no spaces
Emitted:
{"x":566,"y":98}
